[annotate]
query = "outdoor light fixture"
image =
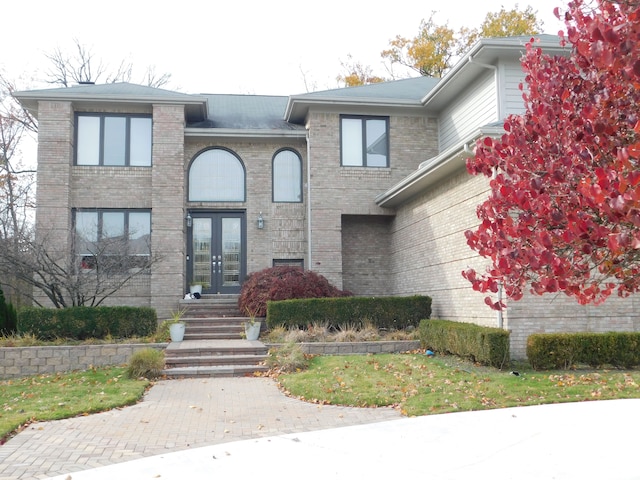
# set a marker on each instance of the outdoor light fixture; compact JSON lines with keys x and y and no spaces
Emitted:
{"x":189,"y":219}
{"x":260,"y":221}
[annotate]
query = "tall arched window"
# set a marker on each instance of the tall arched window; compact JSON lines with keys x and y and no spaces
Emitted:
{"x":287,"y":176}
{"x":216,"y":175}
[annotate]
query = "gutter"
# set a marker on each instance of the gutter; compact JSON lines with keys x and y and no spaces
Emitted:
{"x":243,"y":133}
{"x":430,"y":167}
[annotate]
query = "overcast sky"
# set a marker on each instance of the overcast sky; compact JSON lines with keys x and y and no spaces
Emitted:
{"x":277,"y":47}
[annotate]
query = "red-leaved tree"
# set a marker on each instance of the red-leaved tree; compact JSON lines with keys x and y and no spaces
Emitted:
{"x":563,"y":214}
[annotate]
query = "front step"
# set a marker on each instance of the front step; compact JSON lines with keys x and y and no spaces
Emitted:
{"x":221,"y":358}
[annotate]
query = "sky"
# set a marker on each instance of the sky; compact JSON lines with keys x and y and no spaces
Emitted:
{"x":276,"y":47}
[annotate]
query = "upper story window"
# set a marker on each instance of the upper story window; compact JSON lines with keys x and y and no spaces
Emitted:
{"x":287,"y":177}
{"x":113,"y":239}
{"x":216,"y":175}
{"x":364,"y":141}
{"x":113,"y":140}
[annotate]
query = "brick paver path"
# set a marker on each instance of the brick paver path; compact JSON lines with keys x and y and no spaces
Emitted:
{"x":174,"y":415}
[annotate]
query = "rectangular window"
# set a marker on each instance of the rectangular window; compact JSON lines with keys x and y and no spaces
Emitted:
{"x":114,"y":240}
{"x":364,"y":141}
{"x":113,"y":140}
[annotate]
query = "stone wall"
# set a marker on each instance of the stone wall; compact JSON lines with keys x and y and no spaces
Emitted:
{"x":23,"y":361}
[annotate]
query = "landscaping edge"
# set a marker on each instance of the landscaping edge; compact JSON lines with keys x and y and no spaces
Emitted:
{"x":23,"y":361}
{"x":18,"y":362}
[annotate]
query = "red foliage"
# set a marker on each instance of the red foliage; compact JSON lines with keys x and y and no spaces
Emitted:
{"x":283,"y":283}
{"x":563,"y":214}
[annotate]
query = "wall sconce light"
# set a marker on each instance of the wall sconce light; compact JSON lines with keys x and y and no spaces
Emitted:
{"x":260,"y":221}
{"x":189,"y":219}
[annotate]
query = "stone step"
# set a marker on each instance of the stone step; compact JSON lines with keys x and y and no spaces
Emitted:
{"x":215,"y":371}
{"x":211,"y":360}
{"x":214,"y":357}
{"x":213,"y":336}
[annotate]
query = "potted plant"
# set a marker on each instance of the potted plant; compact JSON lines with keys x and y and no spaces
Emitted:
{"x":195,"y":288}
{"x":252,"y":326}
{"x":177,"y":326}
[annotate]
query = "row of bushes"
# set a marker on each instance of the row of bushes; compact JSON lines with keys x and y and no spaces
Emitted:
{"x":485,"y":345}
{"x":563,"y":350}
{"x":391,"y":313}
{"x":81,"y":323}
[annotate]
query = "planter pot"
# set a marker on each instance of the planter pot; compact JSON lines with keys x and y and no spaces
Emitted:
{"x":195,"y":289}
{"x":176,"y":331}
{"x":252,"y":331}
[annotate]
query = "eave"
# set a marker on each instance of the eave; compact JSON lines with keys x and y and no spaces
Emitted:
{"x":244,"y":133}
{"x":434,"y":170}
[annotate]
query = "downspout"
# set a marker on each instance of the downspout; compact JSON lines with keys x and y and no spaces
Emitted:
{"x":499,"y":317}
{"x":309,"y":266}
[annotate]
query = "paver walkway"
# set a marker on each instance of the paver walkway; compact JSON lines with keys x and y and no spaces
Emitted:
{"x":174,"y":415}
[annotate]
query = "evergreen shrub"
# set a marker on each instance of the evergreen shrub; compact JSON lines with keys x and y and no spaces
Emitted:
{"x":80,"y":323}
{"x":485,"y":345}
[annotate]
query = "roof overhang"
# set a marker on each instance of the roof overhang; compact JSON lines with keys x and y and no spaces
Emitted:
{"x":485,"y":52}
{"x":299,"y":105}
{"x":434,"y":170}
{"x":195,"y":105}
{"x":244,"y":133}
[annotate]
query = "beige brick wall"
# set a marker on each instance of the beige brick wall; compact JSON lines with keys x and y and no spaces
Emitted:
{"x":429,"y":252}
{"x":366,"y":242}
{"x":338,"y":191}
{"x":285,"y":229}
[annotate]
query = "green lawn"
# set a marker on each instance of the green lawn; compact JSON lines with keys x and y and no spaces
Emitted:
{"x":56,"y":396}
{"x":420,"y":385}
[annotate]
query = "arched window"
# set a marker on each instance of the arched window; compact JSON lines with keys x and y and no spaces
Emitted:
{"x":287,"y":177}
{"x":216,"y":175}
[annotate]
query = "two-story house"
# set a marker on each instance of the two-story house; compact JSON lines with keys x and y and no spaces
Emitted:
{"x":365,"y":185}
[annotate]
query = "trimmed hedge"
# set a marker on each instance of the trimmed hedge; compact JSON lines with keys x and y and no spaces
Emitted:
{"x":81,"y":323}
{"x":563,"y":350}
{"x":392,"y":313}
{"x":485,"y":345}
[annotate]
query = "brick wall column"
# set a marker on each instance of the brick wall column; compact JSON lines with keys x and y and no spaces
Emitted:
{"x":167,"y":200}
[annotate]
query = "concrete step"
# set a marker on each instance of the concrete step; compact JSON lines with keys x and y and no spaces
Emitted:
{"x":215,"y":371}
{"x":214,"y":357}
{"x":217,"y":360}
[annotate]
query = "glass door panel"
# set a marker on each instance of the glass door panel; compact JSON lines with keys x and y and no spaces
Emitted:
{"x":201,"y":244}
{"x":216,"y":251}
{"x":231,"y":251}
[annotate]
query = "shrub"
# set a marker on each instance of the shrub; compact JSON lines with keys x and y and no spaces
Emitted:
{"x":81,"y":323}
{"x":389,"y":313}
{"x":485,"y":345}
{"x":147,"y":363}
{"x":287,"y":358}
{"x":564,"y":350}
{"x":283,"y":283}
{"x":8,"y":316}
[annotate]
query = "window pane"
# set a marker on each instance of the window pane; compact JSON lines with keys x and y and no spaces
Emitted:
{"x":216,"y":176}
{"x":287,"y":177}
{"x":140,"y":233}
{"x":112,"y":225}
{"x":140,"y":149}
{"x":86,"y":232}
{"x":376,"y":143}
{"x":352,"y":141}
{"x":88,"y":150}
{"x":115,"y":134}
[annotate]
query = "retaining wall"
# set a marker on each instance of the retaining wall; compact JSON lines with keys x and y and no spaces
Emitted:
{"x":23,"y":361}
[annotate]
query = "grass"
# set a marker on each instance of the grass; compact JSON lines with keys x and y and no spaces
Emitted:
{"x":419,"y":385}
{"x":57,"y":396}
